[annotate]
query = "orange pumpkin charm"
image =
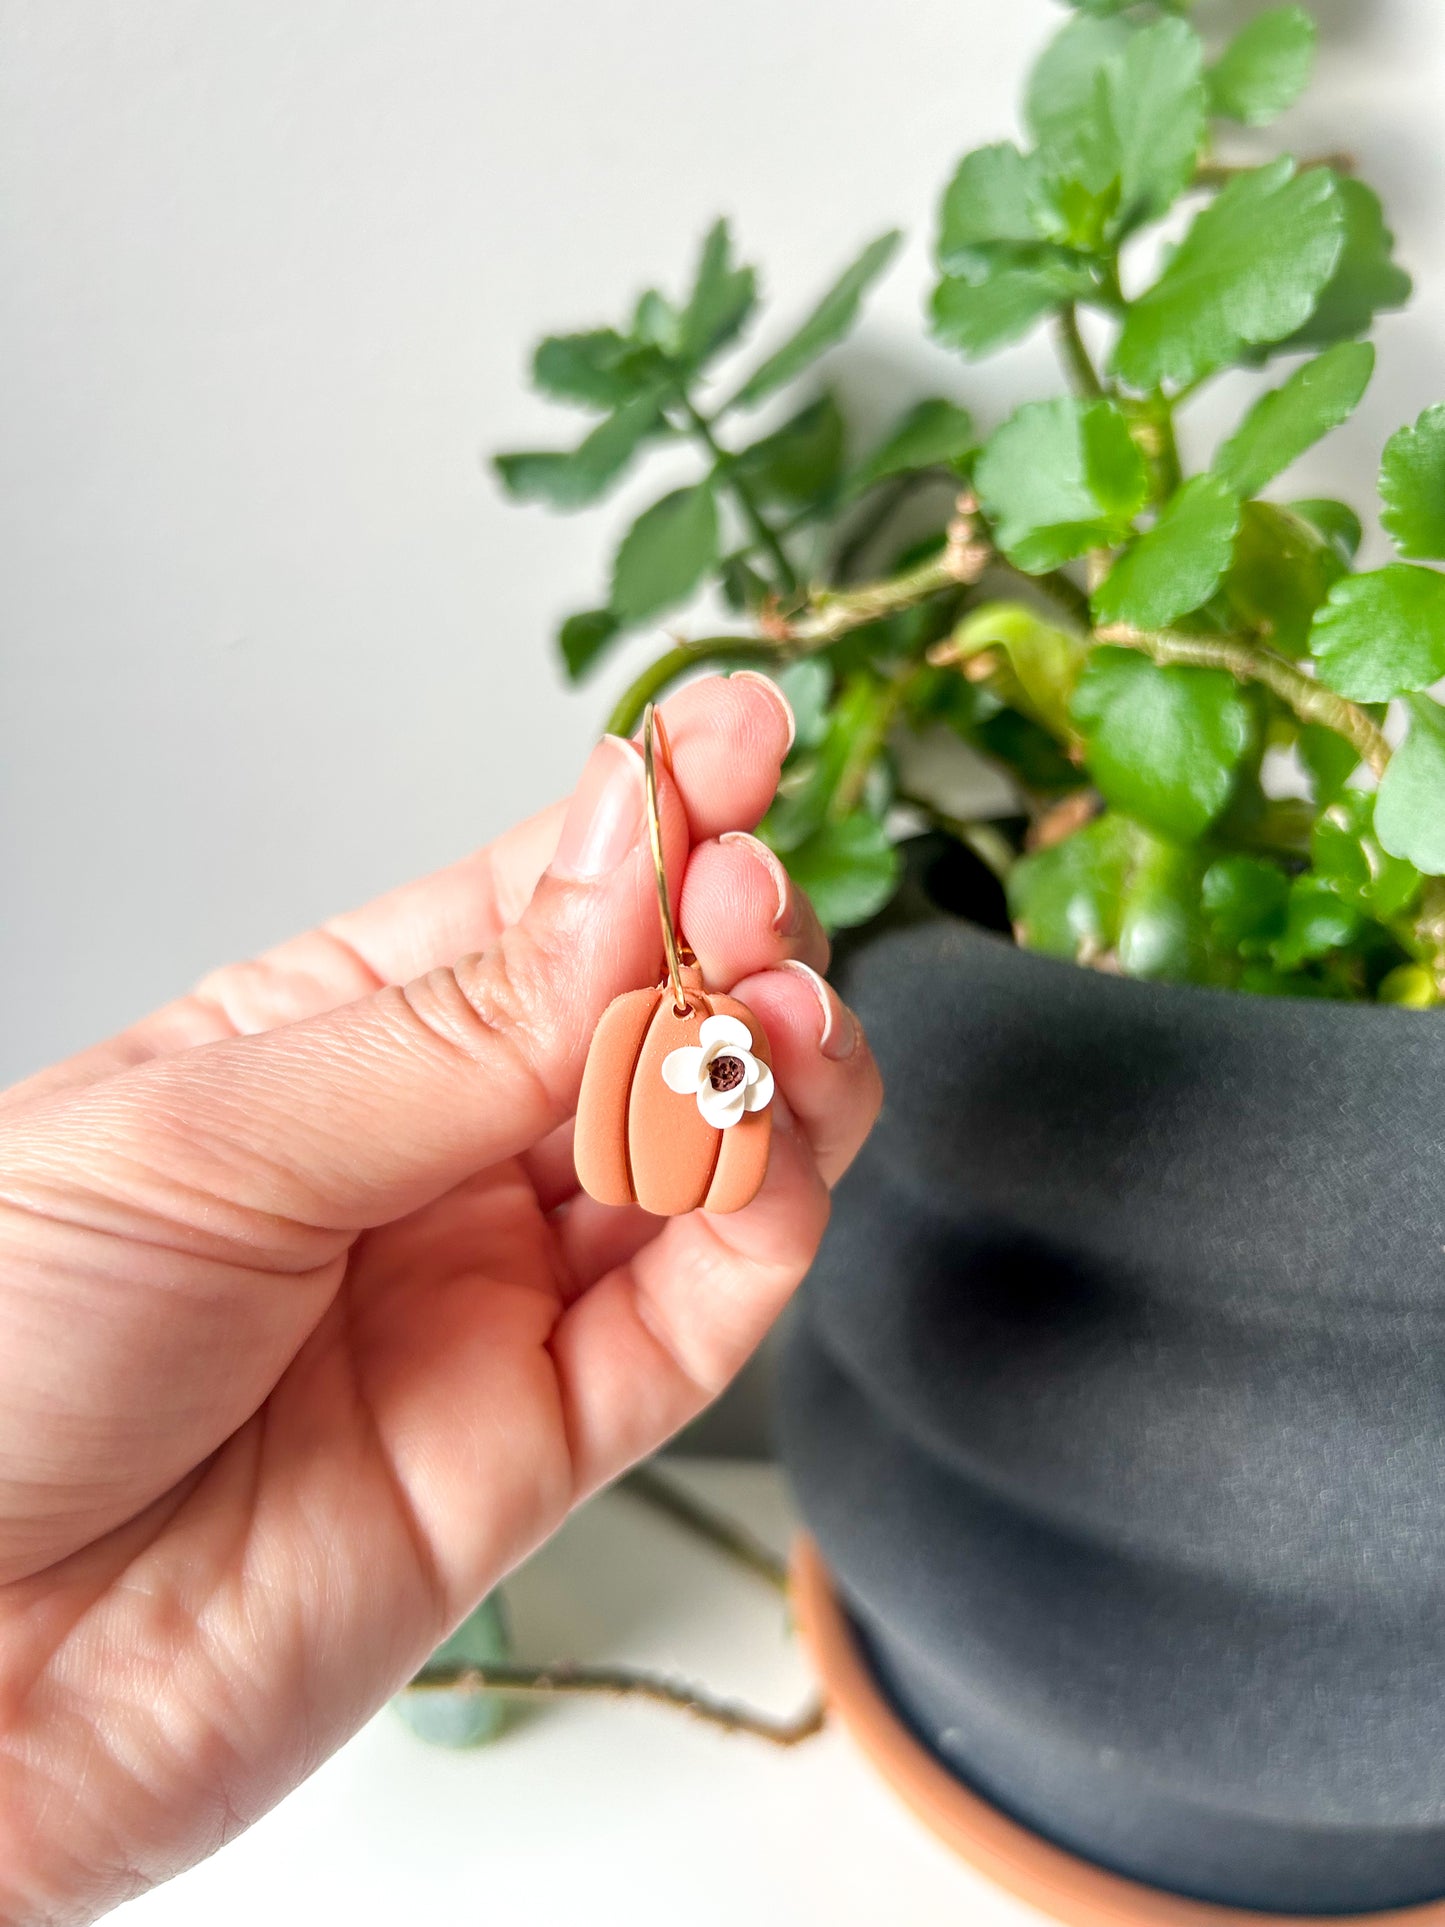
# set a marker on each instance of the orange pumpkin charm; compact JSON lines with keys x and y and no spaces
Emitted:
{"x":675,"y":1111}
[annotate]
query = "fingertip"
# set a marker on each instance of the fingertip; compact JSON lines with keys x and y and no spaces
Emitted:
{"x":728,"y":736}
{"x":840,"y":1034}
{"x":752,"y":680}
{"x":743,"y":913}
{"x":821,"y":1059}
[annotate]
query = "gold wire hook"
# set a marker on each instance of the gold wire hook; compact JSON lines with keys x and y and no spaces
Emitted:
{"x":654,"y":733}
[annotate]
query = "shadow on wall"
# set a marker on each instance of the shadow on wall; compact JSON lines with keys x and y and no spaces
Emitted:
{"x":1339,"y":21}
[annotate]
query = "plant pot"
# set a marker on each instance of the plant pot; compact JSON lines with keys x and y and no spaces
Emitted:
{"x":1116,"y":1404}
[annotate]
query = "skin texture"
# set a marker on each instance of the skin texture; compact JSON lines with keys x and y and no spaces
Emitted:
{"x":306,"y":1334}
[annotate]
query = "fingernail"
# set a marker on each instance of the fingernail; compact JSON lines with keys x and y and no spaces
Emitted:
{"x":767,"y":683}
{"x":788,"y":918}
{"x":840,"y":1031}
{"x":604,"y":818}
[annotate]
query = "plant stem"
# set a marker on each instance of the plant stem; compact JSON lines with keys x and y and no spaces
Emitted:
{"x":653,"y":1488}
{"x":618,"y":1682}
{"x":831,"y":613}
{"x":1220,"y":173}
{"x":828,"y":615}
{"x":1309,"y":700}
{"x":727,"y":467}
{"x":1081,"y":370}
{"x":658,"y":675}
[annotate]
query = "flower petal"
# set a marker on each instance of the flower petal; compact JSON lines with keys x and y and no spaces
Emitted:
{"x":716,"y":1031}
{"x":720,"y":1108}
{"x":682,"y":1068}
{"x":753,"y":1067}
{"x":757,"y":1097}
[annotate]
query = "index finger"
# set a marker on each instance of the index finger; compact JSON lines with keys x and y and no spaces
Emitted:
{"x":453,"y":912}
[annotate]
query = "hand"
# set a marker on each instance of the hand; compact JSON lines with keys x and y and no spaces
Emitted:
{"x":306,"y":1335}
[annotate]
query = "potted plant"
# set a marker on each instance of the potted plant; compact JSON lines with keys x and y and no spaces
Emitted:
{"x":1114,"y":1403}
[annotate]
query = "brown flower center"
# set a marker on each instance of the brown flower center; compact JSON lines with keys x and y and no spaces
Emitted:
{"x":725,"y":1073}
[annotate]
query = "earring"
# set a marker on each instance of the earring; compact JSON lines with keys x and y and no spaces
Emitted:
{"x":674,"y":1112}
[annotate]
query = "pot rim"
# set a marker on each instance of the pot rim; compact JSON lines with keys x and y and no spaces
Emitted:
{"x":1161,"y":990}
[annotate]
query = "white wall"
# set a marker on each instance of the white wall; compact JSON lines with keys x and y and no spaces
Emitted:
{"x":269,"y":640}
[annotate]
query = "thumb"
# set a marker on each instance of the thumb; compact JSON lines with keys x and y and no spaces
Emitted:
{"x":358,"y":1116}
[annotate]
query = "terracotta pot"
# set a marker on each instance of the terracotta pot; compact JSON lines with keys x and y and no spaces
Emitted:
{"x":1117,"y":1407}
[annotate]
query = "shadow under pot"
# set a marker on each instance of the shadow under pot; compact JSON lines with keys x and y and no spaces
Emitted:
{"x":1116,"y":1405}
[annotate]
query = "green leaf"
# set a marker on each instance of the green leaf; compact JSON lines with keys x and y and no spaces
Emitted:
{"x":1153,"y":101}
{"x":1161,"y":930}
{"x":1249,"y":271}
{"x":1264,"y":68}
{"x":827,"y":324}
{"x":798,"y":461}
{"x":574,"y":478}
{"x":1382,"y":633}
{"x":723,"y":297}
{"x":1127,"y":144}
{"x":455,"y":1716}
{"x":1001,"y":294}
{"x":810,"y":782}
{"x":1291,"y":418}
{"x":1412,"y":487}
{"x":1317,"y":921}
{"x":1059,"y":478}
{"x":848,"y":869}
{"x":1411,"y":986}
{"x":1112,"y":889}
{"x":1365,"y":279}
{"x":1161,"y":743}
{"x":932,"y":434}
{"x":1337,"y":522}
{"x":1281,"y":573}
{"x":583,"y":637}
{"x":807,"y":684}
{"x":1026,"y":749}
{"x":600,"y":369}
{"x":656,"y":323}
{"x":1410,"y":808}
{"x":743,"y":587}
{"x":1346,"y":852}
{"x":1329,"y":761}
{"x":665,"y":554}
{"x":1063,"y":86}
{"x":1066,"y":900}
{"x":988,"y":199}
{"x":1045,"y":660}
{"x":1245,"y":900}
{"x":1178,"y":564}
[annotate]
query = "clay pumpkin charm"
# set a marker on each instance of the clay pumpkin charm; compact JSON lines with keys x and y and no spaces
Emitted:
{"x":675,"y":1111}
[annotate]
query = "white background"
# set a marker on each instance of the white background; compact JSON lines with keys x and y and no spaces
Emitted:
{"x":602,"y":1814}
{"x":269,"y":273}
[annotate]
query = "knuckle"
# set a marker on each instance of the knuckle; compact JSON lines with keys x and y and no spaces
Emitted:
{"x":499,"y":1011}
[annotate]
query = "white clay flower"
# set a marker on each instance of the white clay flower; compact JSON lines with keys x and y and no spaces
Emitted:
{"x":721,"y":1071}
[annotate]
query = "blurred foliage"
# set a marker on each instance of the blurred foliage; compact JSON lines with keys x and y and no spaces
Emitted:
{"x":1141,"y":649}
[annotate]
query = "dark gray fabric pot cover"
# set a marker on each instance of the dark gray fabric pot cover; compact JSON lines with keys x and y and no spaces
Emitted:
{"x":1117,"y":1404}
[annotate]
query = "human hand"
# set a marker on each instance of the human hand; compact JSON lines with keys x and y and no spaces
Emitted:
{"x":306,"y":1335}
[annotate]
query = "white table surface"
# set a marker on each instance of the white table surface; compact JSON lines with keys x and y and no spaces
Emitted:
{"x":597,"y":1811}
